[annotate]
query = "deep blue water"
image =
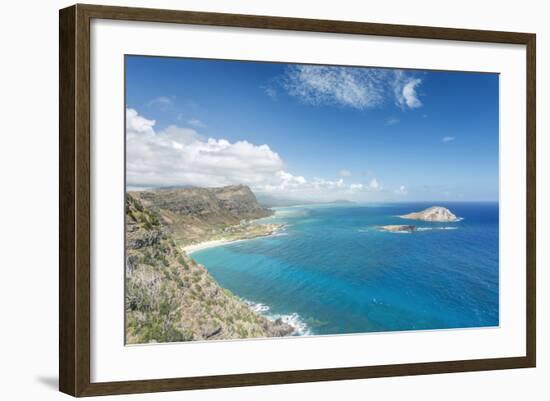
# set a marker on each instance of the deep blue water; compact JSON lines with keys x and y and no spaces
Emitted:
{"x":332,"y":271}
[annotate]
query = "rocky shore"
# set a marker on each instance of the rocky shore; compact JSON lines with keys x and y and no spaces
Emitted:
{"x":395,"y":228}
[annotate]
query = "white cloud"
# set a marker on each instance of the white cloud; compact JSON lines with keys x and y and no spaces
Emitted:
{"x":137,"y":124}
{"x":359,"y":88}
{"x":284,"y":183}
{"x":288,"y":179}
{"x":404,"y":88}
{"x":180,"y":135}
{"x":345,"y":173}
{"x":402,"y":190}
{"x":447,"y":139}
{"x":375,"y":185}
{"x":408,"y":94}
{"x":178,"y":156}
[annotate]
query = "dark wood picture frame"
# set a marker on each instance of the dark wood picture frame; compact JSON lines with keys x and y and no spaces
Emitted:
{"x":74,"y":199}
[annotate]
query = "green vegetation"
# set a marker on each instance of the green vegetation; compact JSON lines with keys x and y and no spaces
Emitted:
{"x":169,"y":297}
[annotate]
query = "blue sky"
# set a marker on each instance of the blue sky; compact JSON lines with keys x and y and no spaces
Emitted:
{"x":312,"y":132}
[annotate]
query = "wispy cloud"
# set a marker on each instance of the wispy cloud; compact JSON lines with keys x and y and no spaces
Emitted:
{"x":161,"y":100}
{"x":447,"y":139}
{"x":358,"y":88}
{"x":271,"y":92}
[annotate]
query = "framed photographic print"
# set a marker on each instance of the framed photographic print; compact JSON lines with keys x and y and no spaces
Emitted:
{"x":250,"y":200}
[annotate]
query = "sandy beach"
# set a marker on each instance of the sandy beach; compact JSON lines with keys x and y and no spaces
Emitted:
{"x":189,"y":249}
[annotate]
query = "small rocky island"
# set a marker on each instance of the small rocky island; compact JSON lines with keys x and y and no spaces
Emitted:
{"x":397,"y":228}
{"x":434,"y":213}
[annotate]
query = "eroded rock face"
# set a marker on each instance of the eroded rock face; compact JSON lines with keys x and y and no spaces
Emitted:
{"x":240,"y":201}
{"x":434,"y":213}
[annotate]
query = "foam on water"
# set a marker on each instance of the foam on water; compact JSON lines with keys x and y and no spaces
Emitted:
{"x":294,"y":319}
{"x":436,"y":228}
{"x":257,"y":307}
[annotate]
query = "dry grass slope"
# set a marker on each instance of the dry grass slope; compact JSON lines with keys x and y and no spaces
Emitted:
{"x":169,"y":297}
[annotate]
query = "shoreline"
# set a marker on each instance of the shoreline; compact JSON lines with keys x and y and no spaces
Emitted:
{"x":294,"y":320}
{"x":189,"y":249}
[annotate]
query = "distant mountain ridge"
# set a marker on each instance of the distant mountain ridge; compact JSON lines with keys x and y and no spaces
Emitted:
{"x":267,"y":200}
{"x":192,"y":214}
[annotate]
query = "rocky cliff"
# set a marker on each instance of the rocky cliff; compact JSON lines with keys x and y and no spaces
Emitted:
{"x":195,"y":214}
{"x":169,"y":297}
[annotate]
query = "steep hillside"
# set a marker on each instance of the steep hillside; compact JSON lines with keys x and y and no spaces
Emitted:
{"x":169,"y":297}
{"x":198,"y":214}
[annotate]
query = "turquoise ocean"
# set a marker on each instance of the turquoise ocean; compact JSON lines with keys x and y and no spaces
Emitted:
{"x":330,"y":270}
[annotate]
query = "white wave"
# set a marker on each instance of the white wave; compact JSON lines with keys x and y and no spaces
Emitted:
{"x":295,"y":320}
{"x":436,"y":228}
{"x":257,"y":307}
{"x":279,"y":234}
